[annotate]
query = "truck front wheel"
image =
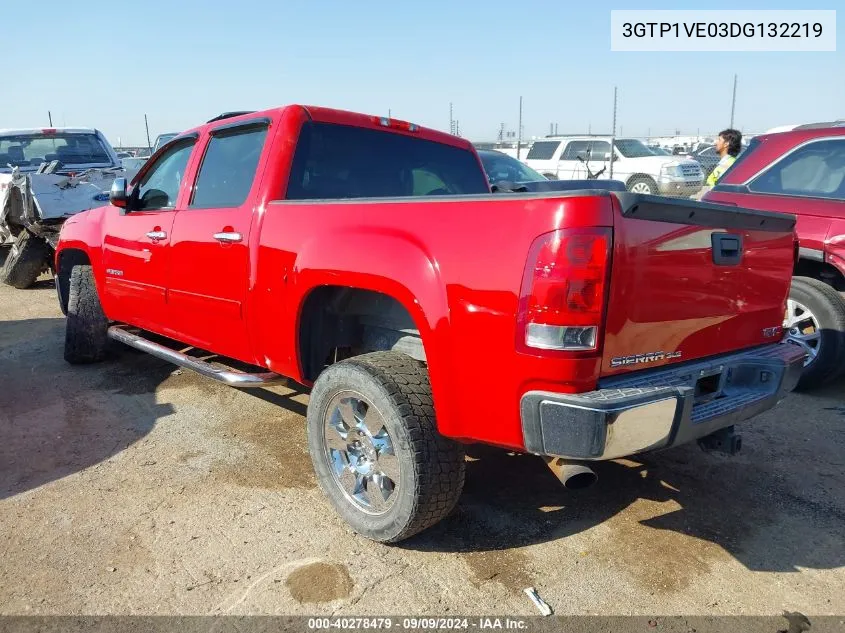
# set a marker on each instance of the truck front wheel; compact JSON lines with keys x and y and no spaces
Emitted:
{"x":27,"y":259}
{"x":815,"y":320}
{"x":376,"y":450}
{"x":642,"y":184}
{"x":86,"y":329}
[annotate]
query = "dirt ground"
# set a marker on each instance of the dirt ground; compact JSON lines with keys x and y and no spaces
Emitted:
{"x":132,"y":487}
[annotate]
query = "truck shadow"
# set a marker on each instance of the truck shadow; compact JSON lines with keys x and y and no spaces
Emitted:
{"x":771,"y":510}
{"x":57,"y":420}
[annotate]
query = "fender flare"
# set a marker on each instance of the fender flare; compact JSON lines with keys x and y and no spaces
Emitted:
{"x":394,"y":263}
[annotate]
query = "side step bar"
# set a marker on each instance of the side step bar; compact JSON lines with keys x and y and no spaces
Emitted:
{"x":221,"y":374}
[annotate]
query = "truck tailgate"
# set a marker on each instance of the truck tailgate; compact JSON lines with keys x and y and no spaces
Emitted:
{"x":692,"y":279}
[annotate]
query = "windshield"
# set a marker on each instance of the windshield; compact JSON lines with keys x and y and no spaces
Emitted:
{"x":632,"y":148}
{"x":501,"y":167}
{"x":30,"y":150}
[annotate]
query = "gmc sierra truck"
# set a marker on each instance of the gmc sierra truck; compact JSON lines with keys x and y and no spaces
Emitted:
{"x":366,"y":258}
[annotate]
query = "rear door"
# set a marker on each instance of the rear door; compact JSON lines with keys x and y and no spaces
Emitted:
{"x":210,"y":266}
{"x":136,"y":241}
{"x":690,"y":280}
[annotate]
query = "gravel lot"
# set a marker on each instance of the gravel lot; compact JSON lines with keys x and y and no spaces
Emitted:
{"x":132,"y":487}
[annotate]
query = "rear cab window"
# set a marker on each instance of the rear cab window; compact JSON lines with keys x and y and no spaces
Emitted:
{"x":335,"y":161}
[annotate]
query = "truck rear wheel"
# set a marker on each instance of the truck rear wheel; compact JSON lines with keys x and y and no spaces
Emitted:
{"x":815,"y":320}
{"x":26,"y":260}
{"x":376,"y":450}
{"x":86,"y":338}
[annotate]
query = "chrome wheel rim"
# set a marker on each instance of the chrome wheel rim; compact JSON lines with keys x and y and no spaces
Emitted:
{"x":802,"y":328}
{"x":360,"y":453}
{"x":641,"y":187}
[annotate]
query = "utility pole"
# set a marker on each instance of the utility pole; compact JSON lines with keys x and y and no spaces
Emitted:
{"x":551,"y":129}
{"x":556,"y":129}
{"x":388,"y":114}
{"x":733,"y":103}
{"x":50,"y":117}
{"x":502,"y":132}
{"x":613,"y":135}
{"x":519,"y":131}
{"x":147,"y":125}
{"x":451,"y":120}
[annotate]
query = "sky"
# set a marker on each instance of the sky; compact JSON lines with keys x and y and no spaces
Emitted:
{"x":104,"y":64}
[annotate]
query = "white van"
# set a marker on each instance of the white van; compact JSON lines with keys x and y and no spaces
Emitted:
{"x":638,"y":166}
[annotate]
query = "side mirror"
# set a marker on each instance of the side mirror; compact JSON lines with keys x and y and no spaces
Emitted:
{"x":117,"y":195}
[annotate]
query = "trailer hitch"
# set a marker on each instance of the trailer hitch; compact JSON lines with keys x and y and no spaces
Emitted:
{"x":725,"y":441}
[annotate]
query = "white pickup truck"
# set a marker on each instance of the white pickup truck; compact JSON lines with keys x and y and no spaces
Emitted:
{"x":47,"y":175}
{"x":634,"y":163}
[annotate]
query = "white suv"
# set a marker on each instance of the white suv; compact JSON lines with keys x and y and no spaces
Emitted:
{"x":641,"y":169}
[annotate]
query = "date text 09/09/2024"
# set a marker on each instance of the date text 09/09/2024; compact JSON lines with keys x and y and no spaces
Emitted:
{"x":722,"y":29}
{"x":415,"y":623}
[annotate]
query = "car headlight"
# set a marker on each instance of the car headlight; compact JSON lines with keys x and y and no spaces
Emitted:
{"x":671,"y":171}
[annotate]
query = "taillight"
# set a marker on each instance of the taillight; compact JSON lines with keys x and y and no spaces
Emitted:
{"x":562,"y":299}
{"x":395,"y":124}
{"x":48,"y":130}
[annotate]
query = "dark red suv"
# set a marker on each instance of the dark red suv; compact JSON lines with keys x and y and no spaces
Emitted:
{"x":803,"y":172}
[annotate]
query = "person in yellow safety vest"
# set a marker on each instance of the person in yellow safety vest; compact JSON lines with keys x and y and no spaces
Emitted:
{"x":727,"y":144}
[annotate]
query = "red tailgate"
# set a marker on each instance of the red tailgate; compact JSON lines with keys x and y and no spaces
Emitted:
{"x":691,"y":279}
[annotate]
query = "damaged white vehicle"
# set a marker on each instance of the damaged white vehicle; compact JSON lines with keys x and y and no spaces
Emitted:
{"x":46,"y":176}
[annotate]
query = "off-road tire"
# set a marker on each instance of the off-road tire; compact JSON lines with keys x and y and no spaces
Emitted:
{"x":86,"y":339}
{"x":652,"y":186}
{"x":828,"y":307}
{"x":28,"y":257}
{"x":431,"y":466}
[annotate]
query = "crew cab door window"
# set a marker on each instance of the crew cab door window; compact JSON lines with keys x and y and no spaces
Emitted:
{"x":815,"y":170}
{"x":159,"y":187}
{"x":228,"y":168}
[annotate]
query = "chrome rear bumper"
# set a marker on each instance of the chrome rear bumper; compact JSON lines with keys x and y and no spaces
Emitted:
{"x":655,"y":409}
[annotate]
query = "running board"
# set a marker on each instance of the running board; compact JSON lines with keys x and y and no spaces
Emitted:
{"x":221,"y":374}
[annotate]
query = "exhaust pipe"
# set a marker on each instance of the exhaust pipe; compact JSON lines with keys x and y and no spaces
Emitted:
{"x":573,"y":475}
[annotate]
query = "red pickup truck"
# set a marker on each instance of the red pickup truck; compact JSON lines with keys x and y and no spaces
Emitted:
{"x":366,"y":257}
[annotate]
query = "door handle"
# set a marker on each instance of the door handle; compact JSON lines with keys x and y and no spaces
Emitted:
{"x":155,"y":236}
{"x":727,"y":249}
{"x":228,"y":237}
